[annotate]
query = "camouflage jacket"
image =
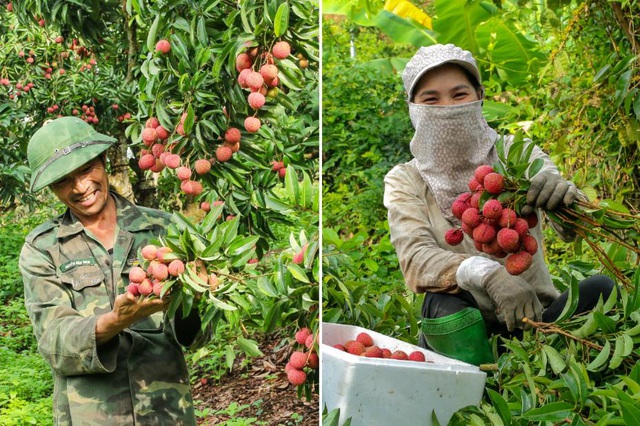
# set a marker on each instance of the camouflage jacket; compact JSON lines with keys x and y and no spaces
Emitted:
{"x":140,"y":376}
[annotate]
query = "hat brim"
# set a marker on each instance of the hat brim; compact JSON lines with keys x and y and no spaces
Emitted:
{"x":466,"y":65}
{"x":67,"y":163}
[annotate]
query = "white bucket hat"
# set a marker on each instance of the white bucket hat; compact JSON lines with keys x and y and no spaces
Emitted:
{"x":429,"y":57}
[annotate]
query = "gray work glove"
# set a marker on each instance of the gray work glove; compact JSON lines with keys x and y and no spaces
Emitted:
{"x":547,"y":190}
{"x":514,"y":297}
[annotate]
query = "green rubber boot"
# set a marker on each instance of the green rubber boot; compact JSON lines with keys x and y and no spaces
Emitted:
{"x":462,"y":336}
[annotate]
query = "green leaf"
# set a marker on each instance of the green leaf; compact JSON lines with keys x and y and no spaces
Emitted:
{"x":281,"y":21}
{"x":600,"y":360}
{"x":618,"y":351}
{"x":500,"y":405}
{"x":551,"y":412}
{"x":298,"y":273}
{"x":291,"y":184}
{"x":240,"y":245}
{"x":249,"y":347}
{"x":555,"y":359}
{"x":151,"y":37}
{"x":572,"y":301}
{"x":630,"y":413}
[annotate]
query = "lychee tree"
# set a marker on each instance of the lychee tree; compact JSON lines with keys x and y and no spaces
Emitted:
{"x":164,"y":79}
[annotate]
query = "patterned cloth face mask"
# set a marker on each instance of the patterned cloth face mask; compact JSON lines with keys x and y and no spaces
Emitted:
{"x":448,"y":144}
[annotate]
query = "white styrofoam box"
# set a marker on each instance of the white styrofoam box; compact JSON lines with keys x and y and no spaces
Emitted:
{"x":375,"y":391}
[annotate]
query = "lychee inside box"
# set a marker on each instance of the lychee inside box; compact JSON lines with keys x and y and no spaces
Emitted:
{"x":382,"y":391}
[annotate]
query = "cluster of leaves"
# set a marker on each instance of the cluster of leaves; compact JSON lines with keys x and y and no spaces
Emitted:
{"x":582,"y":370}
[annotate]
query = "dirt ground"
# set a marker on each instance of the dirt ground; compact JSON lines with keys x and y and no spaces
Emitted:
{"x":258,"y":394}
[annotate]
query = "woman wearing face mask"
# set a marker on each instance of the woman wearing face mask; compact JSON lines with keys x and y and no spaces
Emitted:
{"x":468,"y":294}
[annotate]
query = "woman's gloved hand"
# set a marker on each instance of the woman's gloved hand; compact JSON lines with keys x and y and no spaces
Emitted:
{"x":547,"y":190}
{"x":514,"y":297}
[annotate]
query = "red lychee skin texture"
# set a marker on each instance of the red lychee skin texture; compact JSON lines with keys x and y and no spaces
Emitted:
{"x":158,"y":167}
{"x":162,"y":133}
{"x":287,"y":367}
{"x":172,"y":161}
{"x":492,"y":209}
{"x":254,"y":81}
{"x":252,"y":124}
{"x":492,"y":248}
{"x":298,"y":360}
{"x":151,"y":267}
{"x":458,"y":208}
{"x":147,"y":161}
{"x":310,"y":342}
{"x":157,"y":149}
{"x":191,"y":187}
{"x":532,"y":220}
{"x":508,"y":240}
{"x":474,"y":185}
{"x":494,"y":183}
{"x":157,"y":288}
{"x":453,"y":236}
{"x":281,"y":50}
{"x":276,"y":165}
{"x":471,"y":217}
{"x":149,"y":252}
{"x":399,"y":355}
{"x":160,"y":272}
{"x":282,"y":172}
{"x":296,"y":377}
{"x":163,"y":46}
{"x":417,"y":356}
{"x":145,"y":287}
{"x":162,"y":253}
{"x":484,"y":233}
{"x":137,"y":275}
{"x":256,"y":100}
{"x":223,"y":153}
{"x":152,"y":123}
{"x":183,"y":173}
{"x":302,"y":334}
{"x":507,"y":218}
{"x":365,"y":339}
{"x":339,"y":347}
{"x":313,"y":361}
{"x":522,"y":227}
{"x":202,"y":166}
{"x":517,"y":263}
{"x":481,"y":172}
{"x":133,"y":289}
{"x":205,"y":206}
{"x":467,"y":229}
{"x":373,"y":352}
{"x":232,"y":135}
{"x":386,"y":353}
{"x":530,"y":244}
{"x":269,"y":72}
{"x":242,"y":77}
{"x":243,"y":62}
{"x":175,"y":268}
{"x":355,"y":348}
{"x":474,"y":201}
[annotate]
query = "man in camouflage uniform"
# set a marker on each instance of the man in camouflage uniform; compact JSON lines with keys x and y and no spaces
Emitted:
{"x":115,"y":359}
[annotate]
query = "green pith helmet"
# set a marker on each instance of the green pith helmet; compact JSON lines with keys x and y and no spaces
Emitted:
{"x":60,"y":147}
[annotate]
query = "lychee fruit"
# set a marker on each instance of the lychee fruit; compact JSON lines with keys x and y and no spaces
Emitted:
{"x":191,"y":187}
{"x":160,"y":272}
{"x":157,"y":288}
{"x":281,"y":50}
{"x":145,"y":287}
{"x":453,"y":236}
{"x":530,"y":244}
{"x":417,"y":356}
{"x":474,"y":185}
{"x":269,"y":72}
{"x":522,"y":227}
{"x":386,"y":353}
{"x":252,"y":124}
{"x":354,"y":347}
{"x":152,"y":123}
{"x":163,"y":46}
{"x":532,"y":220}
{"x":243,"y":62}
{"x":508,"y":240}
{"x":481,"y":172}
{"x":492,"y":209}
{"x":365,"y":339}
{"x":202,"y":166}
{"x":162,"y":133}
{"x":223,"y":153}
{"x":232,"y":135}
{"x":296,"y":377}
{"x":399,"y":355}
{"x":132,"y":289}
{"x":298,"y":360}
{"x":137,"y":274}
{"x":149,"y":252}
{"x":517,"y":263}
{"x":162,"y":253}
{"x":373,"y":352}
{"x":310,"y":342}
{"x":458,"y":208}
{"x":254,"y":81}
{"x":471,"y":217}
{"x":302,"y":334}
{"x":183,"y":173}
{"x":494,"y":183}
{"x":313,"y":360}
{"x":149,"y":135}
{"x":242,"y":77}
{"x":176,"y":267}
{"x":256,"y":100}
{"x":507,"y":218}
{"x":172,"y":161}
{"x":205,"y":206}
{"x":484,"y":233}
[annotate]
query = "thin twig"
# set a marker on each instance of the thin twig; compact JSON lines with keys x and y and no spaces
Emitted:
{"x":549,"y":328}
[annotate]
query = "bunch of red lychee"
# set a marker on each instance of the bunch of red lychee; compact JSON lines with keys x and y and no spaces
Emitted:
{"x":279,"y":168}
{"x":495,"y":227}
{"x":302,"y":363}
{"x":161,"y":265}
{"x":363,"y":345}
